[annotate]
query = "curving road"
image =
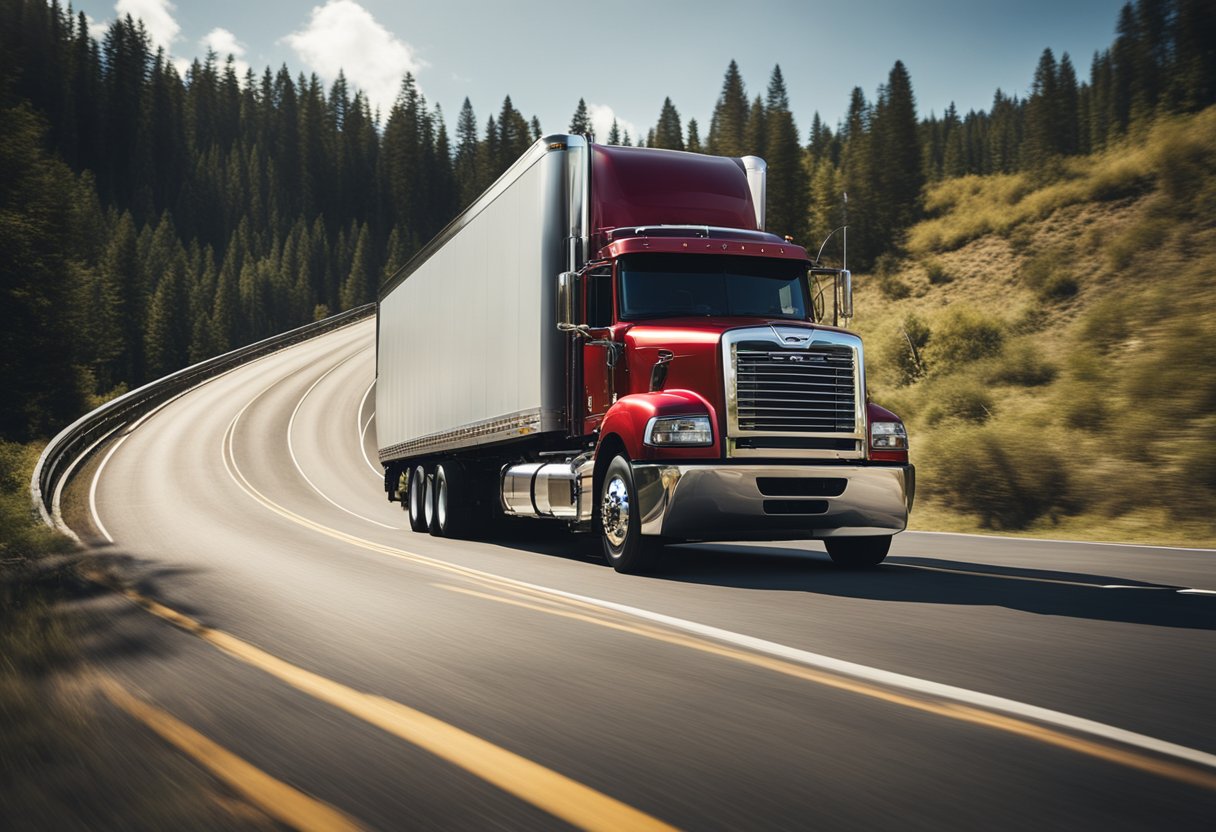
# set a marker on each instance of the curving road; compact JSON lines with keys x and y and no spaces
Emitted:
{"x":408,"y":681}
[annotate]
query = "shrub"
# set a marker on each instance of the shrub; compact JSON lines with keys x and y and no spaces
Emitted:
{"x":893,"y":287}
{"x":1005,"y":476}
{"x":957,"y":398}
{"x":20,"y":533}
{"x":1049,"y":275}
{"x":1082,"y":407}
{"x":1137,"y":240}
{"x":963,"y":335}
{"x":937,"y":274}
{"x":1021,"y":364}
{"x":1106,"y":322}
{"x":904,"y":349}
{"x":886,"y":272}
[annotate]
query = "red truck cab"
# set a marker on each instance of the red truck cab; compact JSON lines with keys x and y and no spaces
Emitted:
{"x":709,"y":370}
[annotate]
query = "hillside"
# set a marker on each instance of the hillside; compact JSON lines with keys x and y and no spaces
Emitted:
{"x":1049,"y":338}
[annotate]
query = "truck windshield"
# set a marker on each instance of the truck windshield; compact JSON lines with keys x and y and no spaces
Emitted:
{"x":707,"y":285}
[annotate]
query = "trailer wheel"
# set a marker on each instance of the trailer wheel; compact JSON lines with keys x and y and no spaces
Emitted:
{"x":858,"y":552}
{"x":453,"y":501}
{"x":625,"y":548}
{"x":416,"y":499}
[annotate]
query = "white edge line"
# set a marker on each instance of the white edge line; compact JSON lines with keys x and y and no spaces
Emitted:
{"x":1197,"y":592}
{"x":899,"y":680}
{"x":1016,"y":539}
{"x":363,"y":448}
{"x":56,"y":498}
{"x":361,"y":432}
{"x":296,"y":462}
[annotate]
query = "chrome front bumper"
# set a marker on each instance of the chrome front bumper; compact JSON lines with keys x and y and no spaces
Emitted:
{"x":724,"y":502}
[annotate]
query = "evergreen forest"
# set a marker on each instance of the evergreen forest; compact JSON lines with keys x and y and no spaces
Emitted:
{"x":150,"y":220}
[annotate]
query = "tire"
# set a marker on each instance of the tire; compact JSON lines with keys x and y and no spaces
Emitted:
{"x":416,"y":499}
{"x":858,"y":552}
{"x":625,"y":548}
{"x":453,"y":501}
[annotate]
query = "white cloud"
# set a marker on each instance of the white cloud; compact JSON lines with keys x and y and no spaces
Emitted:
{"x":157,"y":16}
{"x":225,"y":43}
{"x":97,"y":29}
{"x":342,"y":35}
{"x":602,"y":116}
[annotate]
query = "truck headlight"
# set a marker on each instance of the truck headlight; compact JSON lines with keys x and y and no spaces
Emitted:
{"x":679,"y":430}
{"x":888,"y":436}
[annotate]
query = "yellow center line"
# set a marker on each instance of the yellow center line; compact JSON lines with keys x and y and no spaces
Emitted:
{"x":964,"y":713}
{"x":560,"y":796}
{"x":274,"y":797}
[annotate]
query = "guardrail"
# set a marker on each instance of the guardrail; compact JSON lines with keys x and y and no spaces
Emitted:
{"x":73,"y":442}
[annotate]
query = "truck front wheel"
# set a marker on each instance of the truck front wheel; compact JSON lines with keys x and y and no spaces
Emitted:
{"x":858,"y":552}
{"x":625,"y":549}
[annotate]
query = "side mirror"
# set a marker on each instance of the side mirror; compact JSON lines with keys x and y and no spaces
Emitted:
{"x":844,"y":283}
{"x":567,"y":284}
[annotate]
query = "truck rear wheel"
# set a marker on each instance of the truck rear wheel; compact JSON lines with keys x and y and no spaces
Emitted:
{"x":452,"y":501}
{"x":625,"y":548}
{"x":858,"y":552}
{"x":416,"y":499}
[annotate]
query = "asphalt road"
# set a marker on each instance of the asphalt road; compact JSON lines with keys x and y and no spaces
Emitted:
{"x":408,"y":681}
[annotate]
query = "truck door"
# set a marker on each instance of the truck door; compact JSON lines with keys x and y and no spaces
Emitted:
{"x":597,"y":376}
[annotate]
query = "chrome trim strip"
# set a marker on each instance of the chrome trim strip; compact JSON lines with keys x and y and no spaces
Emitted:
{"x":513,"y":426}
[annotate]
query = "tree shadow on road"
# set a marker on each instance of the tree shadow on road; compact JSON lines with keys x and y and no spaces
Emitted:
{"x":932,"y":581}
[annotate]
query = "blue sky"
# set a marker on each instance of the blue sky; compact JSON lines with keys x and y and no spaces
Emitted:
{"x":624,"y":58}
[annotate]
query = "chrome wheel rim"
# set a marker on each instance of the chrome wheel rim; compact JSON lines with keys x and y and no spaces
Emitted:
{"x":614,"y":511}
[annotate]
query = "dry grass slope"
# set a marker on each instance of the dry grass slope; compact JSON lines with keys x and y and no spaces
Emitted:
{"x":1050,"y":340}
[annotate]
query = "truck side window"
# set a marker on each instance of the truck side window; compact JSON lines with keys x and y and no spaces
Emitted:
{"x":599,"y":299}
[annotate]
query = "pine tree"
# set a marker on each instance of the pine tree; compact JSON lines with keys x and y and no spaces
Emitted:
{"x":856,"y":177}
{"x":900,"y":175}
{"x":787,"y":182}
{"x":1044,"y":138}
{"x":726,"y":128}
{"x":468,"y":179}
{"x":668,"y":133}
{"x":395,"y":254}
{"x":514,"y":136}
{"x":358,"y":287}
{"x":167,"y":337}
{"x":1192,"y":85}
{"x":693,"y":143}
{"x":580,"y":123}
{"x":41,"y":388}
{"x":614,"y":135}
{"x":123,"y":277}
{"x":1068,"y":107}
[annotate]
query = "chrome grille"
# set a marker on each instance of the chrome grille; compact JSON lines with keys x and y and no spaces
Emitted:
{"x":796,"y":391}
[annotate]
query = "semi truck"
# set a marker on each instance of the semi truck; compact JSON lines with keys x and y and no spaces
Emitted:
{"x":608,"y":338}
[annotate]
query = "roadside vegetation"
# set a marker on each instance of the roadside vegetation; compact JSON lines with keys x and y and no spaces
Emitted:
{"x":1048,"y":337}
